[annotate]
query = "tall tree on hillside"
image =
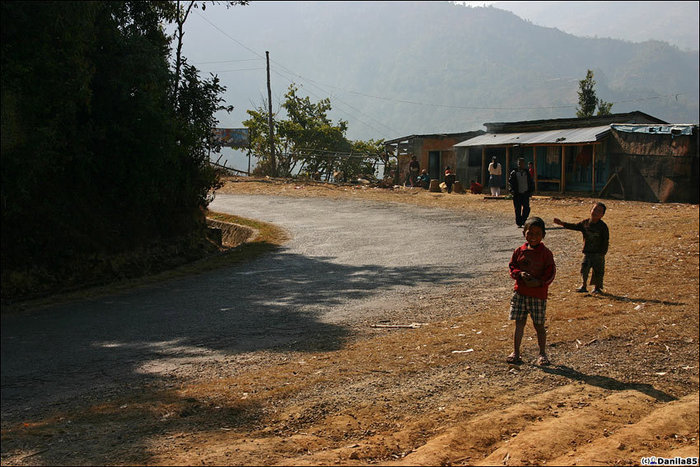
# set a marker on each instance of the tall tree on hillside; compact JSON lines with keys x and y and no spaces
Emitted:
{"x":587,"y":99}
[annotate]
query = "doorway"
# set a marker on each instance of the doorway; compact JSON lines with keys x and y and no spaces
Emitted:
{"x":434,"y":164}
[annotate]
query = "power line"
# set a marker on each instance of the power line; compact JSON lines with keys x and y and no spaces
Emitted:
{"x":342,"y":102}
{"x":239,"y":69}
{"x":228,"y":61}
{"x":225,"y":34}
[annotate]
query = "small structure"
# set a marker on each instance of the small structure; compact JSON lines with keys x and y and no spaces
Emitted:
{"x":434,"y":152}
{"x":656,"y":163}
{"x":631,"y":155}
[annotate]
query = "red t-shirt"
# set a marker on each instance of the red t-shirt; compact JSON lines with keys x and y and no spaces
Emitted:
{"x":539,"y":262}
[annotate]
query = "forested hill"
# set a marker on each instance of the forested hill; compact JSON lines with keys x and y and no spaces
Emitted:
{"x":397,"y":68}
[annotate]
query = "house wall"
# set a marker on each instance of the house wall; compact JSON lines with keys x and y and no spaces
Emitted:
{"x":447,"y":153}
{"x":421,"y":146}
{"x":655,"y":167}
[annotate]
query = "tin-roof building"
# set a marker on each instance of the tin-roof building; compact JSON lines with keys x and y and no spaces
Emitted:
{"x":627,"y":155}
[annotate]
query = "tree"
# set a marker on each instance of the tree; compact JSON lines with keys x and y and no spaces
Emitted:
{"x":97,"y":158}
{"x":363,"y":159}
{"x":179,"y":15}
{"x":587,"y":99}
{"x":259,"y":131}
{"x":310,"y":132}
{"x":305,"y":136}
{"x":307,"y":140}
{"x":604,"y":107}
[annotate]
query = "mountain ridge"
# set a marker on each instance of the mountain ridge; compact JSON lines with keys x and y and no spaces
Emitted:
{"x":392,"y":69}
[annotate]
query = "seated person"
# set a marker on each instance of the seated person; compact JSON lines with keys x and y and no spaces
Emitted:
{"x":424,"y":179}
{"x":476,"y":187}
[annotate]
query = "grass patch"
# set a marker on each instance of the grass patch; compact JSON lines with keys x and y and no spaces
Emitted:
{"x":129,"y":271}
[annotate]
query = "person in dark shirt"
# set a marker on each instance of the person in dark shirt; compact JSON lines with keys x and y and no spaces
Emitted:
{"x":596,"y":238}
{"x":450,"y":178}
{"x":521,"y":186}
{"x":413,"y":171}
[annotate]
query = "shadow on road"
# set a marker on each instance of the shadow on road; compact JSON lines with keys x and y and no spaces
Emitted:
{"x":274,"y":304}
{"x":105,"y":346}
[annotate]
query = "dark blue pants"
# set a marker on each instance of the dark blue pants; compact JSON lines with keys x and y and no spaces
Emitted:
{"x":521,"y":203}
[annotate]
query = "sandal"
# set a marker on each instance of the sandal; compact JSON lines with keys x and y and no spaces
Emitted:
{"x":542,"y":360}
{"x":512,"y":359}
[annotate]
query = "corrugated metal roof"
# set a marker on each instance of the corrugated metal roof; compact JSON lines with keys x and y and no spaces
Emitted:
{"x":568,"y":136}
{"x":674,"y":129}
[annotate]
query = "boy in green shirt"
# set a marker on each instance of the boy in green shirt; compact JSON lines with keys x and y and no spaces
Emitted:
{"x":596,"y":238}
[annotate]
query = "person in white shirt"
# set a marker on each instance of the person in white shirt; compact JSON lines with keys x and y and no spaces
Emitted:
{"x":495,"y":175}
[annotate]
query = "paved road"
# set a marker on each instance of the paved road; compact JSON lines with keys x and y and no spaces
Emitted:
{"x":347,"y":261}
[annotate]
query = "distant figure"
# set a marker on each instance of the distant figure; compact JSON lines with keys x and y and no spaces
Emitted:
{"x":476,"y":187}
{"x":495,"y":177}
{"x":413,"y":170}
{"x":450,"y":178}
{"x":521,"y":185}
{"x":531,"y":169}
{"x":424,"y":179}
{"x":596,"y":238}
{"x":532,"y":266}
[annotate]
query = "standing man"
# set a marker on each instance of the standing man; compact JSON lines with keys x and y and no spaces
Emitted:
{"x":413,"y":171}
{"x":521,"y":185}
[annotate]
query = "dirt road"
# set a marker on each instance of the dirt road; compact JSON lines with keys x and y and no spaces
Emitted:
{"x":348,"y":262}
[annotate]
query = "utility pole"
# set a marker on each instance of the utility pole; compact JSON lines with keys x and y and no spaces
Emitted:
{"x":273,"y":165}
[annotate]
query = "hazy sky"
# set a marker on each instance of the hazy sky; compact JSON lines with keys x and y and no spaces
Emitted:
{"x":214,"y":43}
{"x":671,"y":21}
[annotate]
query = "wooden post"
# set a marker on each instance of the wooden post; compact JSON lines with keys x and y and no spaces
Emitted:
{"x":483,"y":166}
{"x":506,"y":168}
{"x":273,"y":164}
{"x":593,"y":169}
{"x":534,"y":164}
{"x":562,"y":183}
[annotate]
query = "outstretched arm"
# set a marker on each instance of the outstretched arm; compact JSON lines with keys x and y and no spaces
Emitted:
{"x":568,"y":225}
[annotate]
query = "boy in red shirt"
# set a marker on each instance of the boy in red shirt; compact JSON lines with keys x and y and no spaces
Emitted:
{"x":532,"y":266}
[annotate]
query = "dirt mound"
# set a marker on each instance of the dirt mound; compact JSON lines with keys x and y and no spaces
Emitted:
{"x":573,"y":425}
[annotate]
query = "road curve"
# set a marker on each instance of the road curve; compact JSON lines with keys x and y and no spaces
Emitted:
{"x":347,"y":261}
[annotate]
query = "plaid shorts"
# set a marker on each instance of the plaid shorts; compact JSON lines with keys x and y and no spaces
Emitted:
{"x":520,"y":306}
